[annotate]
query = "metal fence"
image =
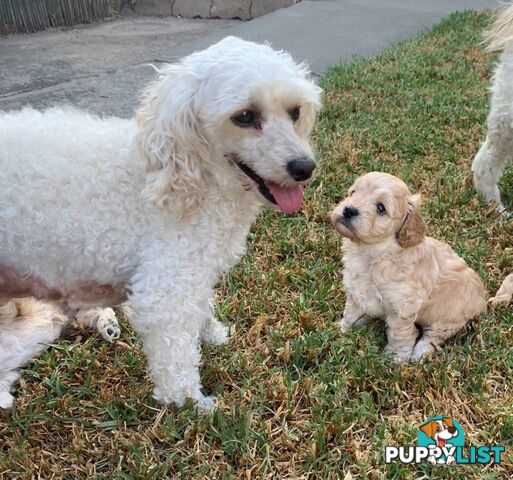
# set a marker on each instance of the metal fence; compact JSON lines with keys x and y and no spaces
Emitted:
{"x":27,"y":16}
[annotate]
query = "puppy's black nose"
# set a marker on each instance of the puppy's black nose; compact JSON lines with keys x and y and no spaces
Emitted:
{"x":301,"y":168}
{"x":350,"y":212}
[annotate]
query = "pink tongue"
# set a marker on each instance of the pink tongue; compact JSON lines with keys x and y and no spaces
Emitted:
{"x":289,"y":199}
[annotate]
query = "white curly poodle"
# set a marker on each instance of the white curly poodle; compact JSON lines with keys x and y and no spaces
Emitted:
{"x":151,"y":212}
{"x":497,"y":149}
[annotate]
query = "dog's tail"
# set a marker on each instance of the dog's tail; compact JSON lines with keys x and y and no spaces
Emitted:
{"x":500,"y":35}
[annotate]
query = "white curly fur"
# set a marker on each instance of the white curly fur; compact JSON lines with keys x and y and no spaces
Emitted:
{"x":166,"y":218}
{"x":497,"y":149}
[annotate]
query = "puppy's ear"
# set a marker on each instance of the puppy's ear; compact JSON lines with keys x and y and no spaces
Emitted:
{"x":170,"y":138}
{"x":429,"y":428}
{"x":413,"y":230}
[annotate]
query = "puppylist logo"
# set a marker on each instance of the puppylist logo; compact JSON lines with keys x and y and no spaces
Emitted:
{"x":440,"y":442}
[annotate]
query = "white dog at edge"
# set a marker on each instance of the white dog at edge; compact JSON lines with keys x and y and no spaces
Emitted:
{"x":497,"y":149}
{"x":150,"y":212}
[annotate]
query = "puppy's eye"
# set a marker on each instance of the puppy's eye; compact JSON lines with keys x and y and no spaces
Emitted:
{"x":351,"y":192}
{"x":295,"y":113}
{"x":245,"y":119}
{"x":380,"y":208}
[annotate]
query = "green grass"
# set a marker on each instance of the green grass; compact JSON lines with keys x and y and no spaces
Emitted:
{"x":297,"y":400}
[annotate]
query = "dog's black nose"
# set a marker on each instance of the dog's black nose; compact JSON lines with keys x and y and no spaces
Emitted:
{"x":301,"y":168}
{"x":350,"y":212}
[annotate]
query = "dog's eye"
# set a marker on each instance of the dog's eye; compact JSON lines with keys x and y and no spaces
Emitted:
{"x":295,"y":113}
{"x":245,"y":118}
{"x":351,"y":192}
{"x":380,"y":208}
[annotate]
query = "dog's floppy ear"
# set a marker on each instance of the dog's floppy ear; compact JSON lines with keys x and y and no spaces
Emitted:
{"x":429,"y":428}
{"x":170,"y":139}
{"x":413,"y":229}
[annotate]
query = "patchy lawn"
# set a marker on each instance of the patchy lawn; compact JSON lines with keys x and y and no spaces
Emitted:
{"x":296,"y":399}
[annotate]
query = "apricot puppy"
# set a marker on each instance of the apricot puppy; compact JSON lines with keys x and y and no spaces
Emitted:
{"x":394,"y":272}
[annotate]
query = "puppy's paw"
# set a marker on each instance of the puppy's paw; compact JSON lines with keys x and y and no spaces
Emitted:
{"x":6,"y":401}
{"x":422,"y":351}
{"x":499,"y":300}
{"x":343,"y":326}
{"x":397,"y":357}
{"x":107,"y":325}
{"x":214,"y":332}
{"x":206,"y":404}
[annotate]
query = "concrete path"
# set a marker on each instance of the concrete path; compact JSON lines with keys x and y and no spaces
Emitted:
{"x":99,"y":67}
{"x":102,"y":67}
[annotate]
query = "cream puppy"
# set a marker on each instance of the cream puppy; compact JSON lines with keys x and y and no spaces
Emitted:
{"x":394,"y":272}
{"x":28,"y":326}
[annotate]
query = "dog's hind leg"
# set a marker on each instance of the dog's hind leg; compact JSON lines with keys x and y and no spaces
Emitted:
{"x":102,"y":319}
{"x":26,"y":327}
{"x":497,"y":150}
{"x":505,"y":293}
{"x":432,"y":339}
{"x":489,"y":164}
{"x":8,"y":312}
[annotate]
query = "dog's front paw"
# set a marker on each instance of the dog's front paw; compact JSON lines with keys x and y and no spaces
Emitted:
{"x":343,"y":326}
{"x":422,"y":351}
{"x":501,"y":211}
{"x":400,"y":358}
{"x":214,"y":332}
{"x":107,"y":325}
{"x":6,"y":401}
{"x":500,"y":300}
{"x":397,"y":357}
{"x":206,"y":404}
